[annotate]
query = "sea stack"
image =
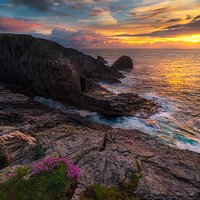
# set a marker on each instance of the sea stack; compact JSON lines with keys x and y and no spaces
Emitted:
{"x":123,"y":63}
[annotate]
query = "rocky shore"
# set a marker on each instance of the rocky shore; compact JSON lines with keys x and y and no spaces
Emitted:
{"x":38,"y":67}
{"x":30,"y":131}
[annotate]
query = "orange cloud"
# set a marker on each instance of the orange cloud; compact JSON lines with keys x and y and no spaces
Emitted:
{"x":17,"y":25}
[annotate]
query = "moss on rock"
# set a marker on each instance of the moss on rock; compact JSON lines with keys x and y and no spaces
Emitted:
{"x":125,"y":191}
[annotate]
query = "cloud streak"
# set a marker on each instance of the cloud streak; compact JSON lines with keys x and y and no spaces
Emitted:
{"x":81,"y":23}
{"x":17,"y":25}
{"x":193,"y":27}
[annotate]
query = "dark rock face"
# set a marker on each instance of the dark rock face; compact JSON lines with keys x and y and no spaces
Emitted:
{"x":40,"y":67}
{"x":101,"y":60}
{"x":43,"y":65}
{"x":92,"y":68}
{"x":124,"y":104}
{"x":123,"y":63}
{"x":36,"y":67}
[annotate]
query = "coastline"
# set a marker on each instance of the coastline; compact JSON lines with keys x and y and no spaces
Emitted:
{"x":111,"y":157}
{"x":105,"y":156}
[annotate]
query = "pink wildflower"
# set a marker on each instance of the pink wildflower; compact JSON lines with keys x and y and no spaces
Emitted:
{"x":50,"y":164}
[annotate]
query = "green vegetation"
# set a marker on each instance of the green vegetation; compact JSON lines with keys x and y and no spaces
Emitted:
{"x":53,"y":185}
{"x":125,"y":191}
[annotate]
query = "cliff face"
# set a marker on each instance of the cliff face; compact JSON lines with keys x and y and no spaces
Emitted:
{"x":36,"y":66}
{"x":40,"y":67}
{"x":45,"y":67}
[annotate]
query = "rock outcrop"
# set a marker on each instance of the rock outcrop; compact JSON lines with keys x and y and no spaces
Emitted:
{"x":105,"y":156}
{"x":110,"y":157}
{"x":101,"y":60}
{"x":15,"y":145}
{"x":123,"y":63}
{"x":123,"y":104}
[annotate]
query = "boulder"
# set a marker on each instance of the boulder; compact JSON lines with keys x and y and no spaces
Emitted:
{"x":123,"y":104}
{"x":123,"y":63}
{"x":15,"y":146}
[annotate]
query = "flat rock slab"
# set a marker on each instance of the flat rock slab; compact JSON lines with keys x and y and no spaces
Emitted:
{"x":7,"y":97}
{"x":109,"y":157}
{"x":123,"y":104}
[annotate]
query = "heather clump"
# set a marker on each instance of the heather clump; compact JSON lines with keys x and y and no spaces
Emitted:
{"x":49,"y":179}
{"x":49,"y":164}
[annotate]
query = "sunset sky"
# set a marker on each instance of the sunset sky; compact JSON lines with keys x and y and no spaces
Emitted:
{"x":106,"y":23}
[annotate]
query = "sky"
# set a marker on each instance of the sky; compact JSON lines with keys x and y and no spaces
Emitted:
{"x":106,"y":23}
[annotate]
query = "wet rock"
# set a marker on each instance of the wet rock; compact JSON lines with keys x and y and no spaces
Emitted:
{"x":123,"y":63}
{"x":123,"y":104}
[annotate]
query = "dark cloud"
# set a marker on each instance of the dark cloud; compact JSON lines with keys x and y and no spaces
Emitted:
{"x":96,"y":12}
{"x":152,"y":13}
{"x":188,"y":17}
{"x":77,"y":39}
{"x":45,"y":5}
{"x":41,"y":5}
{"x":174,"y":20}
{"x":196,"y":18}
{"x":179,"y":29}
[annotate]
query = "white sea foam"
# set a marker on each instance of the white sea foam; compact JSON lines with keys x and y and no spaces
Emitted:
{"x":66,"y":109}
{"x":184,"y":146}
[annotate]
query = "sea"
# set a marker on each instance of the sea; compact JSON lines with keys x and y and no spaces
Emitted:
{"x":169,"y":76}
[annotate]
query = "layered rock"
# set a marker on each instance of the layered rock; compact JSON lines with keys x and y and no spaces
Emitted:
{"x":123,"y":104}
{"x":123,"y":63}
{"x":110,"y":157}
{"x":105,"y":156}
{"x":15,"y":145}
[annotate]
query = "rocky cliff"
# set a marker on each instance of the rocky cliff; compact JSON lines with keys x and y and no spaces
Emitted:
{"x":39,"y":67}
{"x":123,"y":63}
{"x":24,"y":59}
